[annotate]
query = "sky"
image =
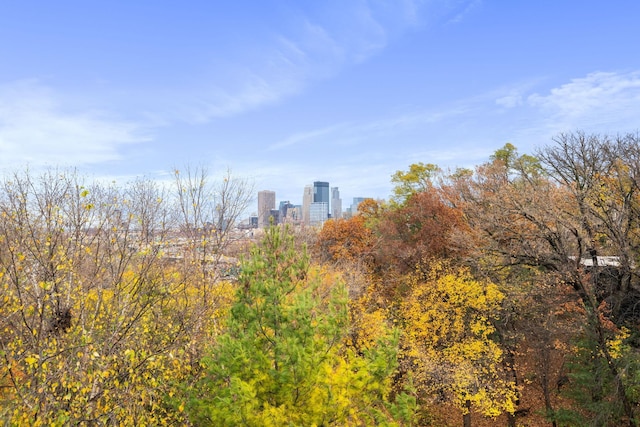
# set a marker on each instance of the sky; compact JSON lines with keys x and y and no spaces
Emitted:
{"x":284,"y":93}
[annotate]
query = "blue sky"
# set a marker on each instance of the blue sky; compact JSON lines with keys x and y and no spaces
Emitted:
{"x":289,"y":92}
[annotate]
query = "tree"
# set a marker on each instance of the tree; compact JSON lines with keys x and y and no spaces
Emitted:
{"x":282,"y":360}
{"x":559,"y":214}
{"x":423,"y":228}
{"x":345,"y":240}
{"x":602,"y":177}
{"x":448,"y":328}
{"x":207,"y":212}
{"x":418,"y":178}
{"x":95,"y":324}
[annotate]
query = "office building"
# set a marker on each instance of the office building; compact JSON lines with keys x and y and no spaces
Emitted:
{"x":307,"y":199}
{"x":294,"y":214}
{"x":321,"y":192}
{"x":266,"y":202}
{"x":318,"y":213}
{"x":274,"y":215}
{"x":284,"y":211}
{"x":321,"y":195}
{"x":336,"y":203}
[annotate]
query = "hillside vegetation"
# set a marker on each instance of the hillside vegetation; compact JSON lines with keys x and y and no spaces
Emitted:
{"x":507,"y":294}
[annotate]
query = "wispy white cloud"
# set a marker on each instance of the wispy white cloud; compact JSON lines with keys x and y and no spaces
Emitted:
{"x":283,"y":68}
{"x":361,"y":132}
{"x":602,"y":101}
{"x":459,"y":14}
{"x":318,"y":45}
{"x":513,"y":99}
{"x":463,"y":133}
{"x":311,"y":135}
{"x":534,"y":112}
{"x":36,"y":129}
{"x":468,"y":131}
{"x":255,"y":90}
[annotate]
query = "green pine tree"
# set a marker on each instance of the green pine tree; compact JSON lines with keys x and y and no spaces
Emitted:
{"x":282,"y":360}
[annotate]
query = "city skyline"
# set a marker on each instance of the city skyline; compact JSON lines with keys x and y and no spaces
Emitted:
{"x":278,"y":91}
{"x":267,"y":200}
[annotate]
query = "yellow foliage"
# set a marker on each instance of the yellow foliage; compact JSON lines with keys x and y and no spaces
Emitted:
{"x":128,"y":345}
{"x":447,"y":320}
{"x":369,"y":323}
{"x":615,"y":345}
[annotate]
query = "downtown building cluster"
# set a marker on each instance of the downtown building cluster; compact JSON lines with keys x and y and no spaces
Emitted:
{"x":319,"y":203}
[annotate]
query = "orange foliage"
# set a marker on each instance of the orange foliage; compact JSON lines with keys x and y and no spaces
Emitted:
{"x":345,"y":240}
{"x":421,"y":229}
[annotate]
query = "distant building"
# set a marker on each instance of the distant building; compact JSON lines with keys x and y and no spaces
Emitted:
{"x":307,"y":199}
{"x":318,"y":213}
{"x":248,"y":223}
{"x":283,"y":209}
{"x":266,"y":203}
{"x":274,"y":215}
{"x":356,"y":202}
{"x":290,"y":213}
{"x":321,"y":192}
{"x":321,"y":195}
{"x":336,"y":203}
{"x":294,"y":214}
{"x":602,"y":261}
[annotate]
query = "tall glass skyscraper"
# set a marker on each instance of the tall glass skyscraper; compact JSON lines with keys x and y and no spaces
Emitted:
{"x":318,"y":213}
{"x":321,"y":195}
{"x":321,"y":192}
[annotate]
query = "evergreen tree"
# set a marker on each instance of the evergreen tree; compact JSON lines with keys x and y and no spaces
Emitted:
{"x":282,"y":360}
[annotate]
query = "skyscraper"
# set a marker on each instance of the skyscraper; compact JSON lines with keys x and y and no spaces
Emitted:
{"x":336,"y":203}
{"x":266,"y":202}
{"x":318,"y":213}
{"x":307,"y":199}
{"x":321,"y":195}
{"x":321,"y":191}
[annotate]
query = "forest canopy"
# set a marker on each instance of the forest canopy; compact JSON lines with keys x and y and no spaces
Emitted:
{"x":504,"y":294}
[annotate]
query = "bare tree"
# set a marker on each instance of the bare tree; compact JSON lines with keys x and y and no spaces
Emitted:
{"x":208,"y":212}
{"x":563,"y":213}
{"x":91,"y":312}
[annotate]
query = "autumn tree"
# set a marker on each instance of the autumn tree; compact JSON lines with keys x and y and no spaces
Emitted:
{"x":94,"y":322}
{"x":346,"y":240}
{"x":282,"y":360}
{"x":423,"y":228}
{"x":602,"y":176}
{"x":207,"y":210}
{"x":419,"y":178}
{"x":561,"y":213}
{"x":448,"y":341}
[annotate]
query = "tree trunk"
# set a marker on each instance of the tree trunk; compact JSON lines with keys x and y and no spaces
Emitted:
{"x":510,"y":365}
{"x":466,"y":418}
{"x":544,"y":382}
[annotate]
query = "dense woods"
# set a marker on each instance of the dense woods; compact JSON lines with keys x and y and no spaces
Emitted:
{"x":507,"y":294}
